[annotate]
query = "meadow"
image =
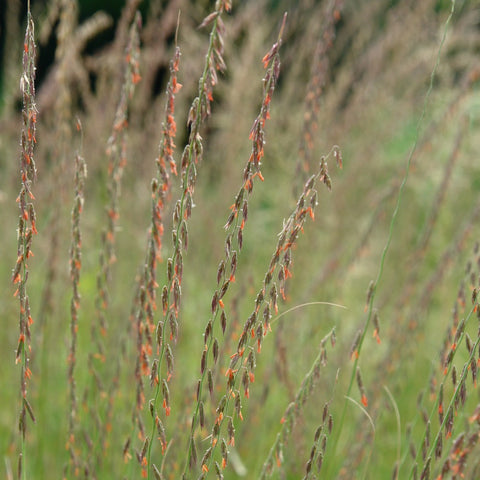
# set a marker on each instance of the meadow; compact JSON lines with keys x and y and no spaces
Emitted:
{"x":240,"y":240}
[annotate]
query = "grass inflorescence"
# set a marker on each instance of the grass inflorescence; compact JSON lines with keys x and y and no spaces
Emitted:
{"x":193,"y":318}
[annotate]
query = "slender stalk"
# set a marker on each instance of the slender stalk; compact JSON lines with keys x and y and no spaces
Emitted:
{"x":26,"y":230}
{"x":192,"y":155}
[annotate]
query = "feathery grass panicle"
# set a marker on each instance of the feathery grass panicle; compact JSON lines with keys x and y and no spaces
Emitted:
{"x":75,"y":268}
{"x":243,"y":361}
{"x":172,"y":293}
{"x":234,"y":226}
{"x":146,"y":306}
{"x":25,"y":232}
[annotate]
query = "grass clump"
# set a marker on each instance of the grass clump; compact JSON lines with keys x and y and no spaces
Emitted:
{"x":220,"y":290}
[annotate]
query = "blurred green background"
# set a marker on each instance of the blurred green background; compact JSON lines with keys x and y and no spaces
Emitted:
{"x":373,"y":72}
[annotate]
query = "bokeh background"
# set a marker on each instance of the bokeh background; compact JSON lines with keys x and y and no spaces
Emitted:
{"x":355,"y":74}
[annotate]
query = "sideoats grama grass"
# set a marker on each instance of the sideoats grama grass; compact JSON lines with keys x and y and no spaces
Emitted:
{"x":247,"y":240}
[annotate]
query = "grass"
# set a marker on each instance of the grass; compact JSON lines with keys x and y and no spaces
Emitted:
{"x":255,"y":241}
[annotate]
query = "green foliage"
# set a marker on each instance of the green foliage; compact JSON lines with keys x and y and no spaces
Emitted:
{"x":174,"y":260}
